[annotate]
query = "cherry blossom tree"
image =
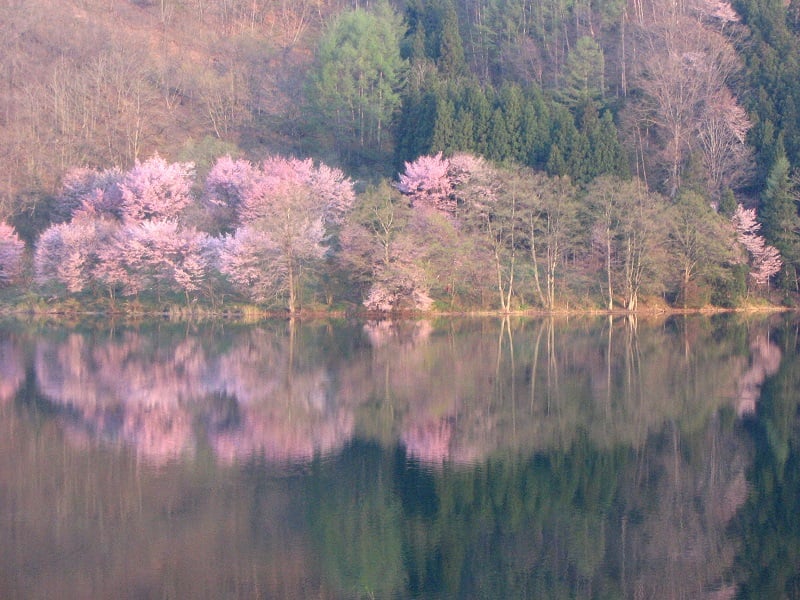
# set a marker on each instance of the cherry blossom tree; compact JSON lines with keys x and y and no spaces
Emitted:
{"x":718,"y":10}
{"x":89,"y":187}
{"x":426,"y":180}
{"x":287,"y":210}
{"x":155,"y":189}
{"x":765,"y":259}
{"x":158,"y":255}
{"x":406,"y":248}
{"x":69,"y":254}
{"x":722,"y":129}
{"x":251,"y":261}
{"x":438,"y":182}
{"x":403,"y":282}
{"x":227,"y":184}
{"x":248,"y":190}
{"x":405,"y":253}
{"x":12,"y":250}
{"x":685,"y":70}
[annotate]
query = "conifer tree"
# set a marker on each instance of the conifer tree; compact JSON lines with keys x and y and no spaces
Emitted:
{"x":450,"y":57}
{"x":356,"y":81}
{"x":780,"y":219}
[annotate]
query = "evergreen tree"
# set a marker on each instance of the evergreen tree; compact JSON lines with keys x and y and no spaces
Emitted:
{"x":358,"y":75}
{"x":499,"y":147}
{"x":556,"y":165}
{"x":415,"y":126}
{"x":511,"y":103}
{"x":564,"y":137}
{"x":414,"y":44}
{"x":444,"y":125}
{"x":780,"y":219}
{"x":773,"y":73}
{"x":536,"y":129}
{"x":450,"y":56}
{"x":584,"y":79}
{"x":475,"y":103}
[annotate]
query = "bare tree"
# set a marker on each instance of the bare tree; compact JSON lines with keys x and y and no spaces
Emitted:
{"x":685,"y":102}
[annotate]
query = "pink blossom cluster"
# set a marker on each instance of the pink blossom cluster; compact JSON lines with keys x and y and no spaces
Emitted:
{"x":139,"y":230}
{"x":765,"y":259}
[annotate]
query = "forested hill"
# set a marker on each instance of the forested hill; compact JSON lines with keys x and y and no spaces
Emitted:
{"x":696,"y":101}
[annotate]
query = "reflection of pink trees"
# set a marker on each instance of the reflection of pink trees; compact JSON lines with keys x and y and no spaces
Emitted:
{"x":426,"y":386}
{"x":125,"y":390}
{"x":447,"y":394}
{"x":764,"y":362}
{"x":160,"y":398}
{"x":12,"y":369}
{"x":277,"y":434}
{"x":284,"y":412}
{"x":429,"y":441}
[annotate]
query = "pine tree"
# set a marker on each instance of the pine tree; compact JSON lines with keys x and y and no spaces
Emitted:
{"x":474,"y":101}
{"x":444,"y":126}
{"x":450,"y":58}
{"x":499,"y":147}
{"x":415,"y":125}
{"x":781,"y":221}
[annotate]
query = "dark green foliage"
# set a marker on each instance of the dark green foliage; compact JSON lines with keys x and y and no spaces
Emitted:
{"x":415,"y":126}
{"x":781,"y":222}
{"x":34,"y":214}
{"x":773,"y":73}
{"x":701,"y":245}
{"x":443,"y":137}
{"x":354,"y":87}
{"x":584,"y":81}
{"x":727,"y":204}
{"x":511,"y":124}
{"x":730,"y":286}
{"x":433,"y":33}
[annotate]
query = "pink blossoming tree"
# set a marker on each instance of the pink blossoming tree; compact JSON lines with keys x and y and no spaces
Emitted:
{"x":286,"y":211}
{"x":765,"y":260}
{"x":155,"y":189}
{"x":100,"y":190}
{"x":68,"y":254}
{"x":227,"y":184}
{"x":252,"y":263}
{"x":157,"y":255}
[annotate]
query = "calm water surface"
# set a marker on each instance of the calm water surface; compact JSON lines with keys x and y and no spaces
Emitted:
{"x":420,"y":459}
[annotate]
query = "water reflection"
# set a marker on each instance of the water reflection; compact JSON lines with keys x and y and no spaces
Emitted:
{"x":452,"y":459}
{"x":12,"y":370}
{"x":458,"y":393}
{"x":455,"y":393}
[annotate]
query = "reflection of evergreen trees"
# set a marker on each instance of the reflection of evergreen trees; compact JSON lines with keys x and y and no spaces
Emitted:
{"x":768,"y":524}
{"x":564,"y":523}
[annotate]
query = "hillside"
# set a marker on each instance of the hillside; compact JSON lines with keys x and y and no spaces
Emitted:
{"x":101,"y":83}
{"x":690,"y":108}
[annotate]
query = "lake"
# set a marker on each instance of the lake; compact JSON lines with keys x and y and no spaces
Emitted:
{"x":451,"y":458}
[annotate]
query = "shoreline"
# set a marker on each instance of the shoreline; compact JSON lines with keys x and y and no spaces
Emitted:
{"x":249,"y":313}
